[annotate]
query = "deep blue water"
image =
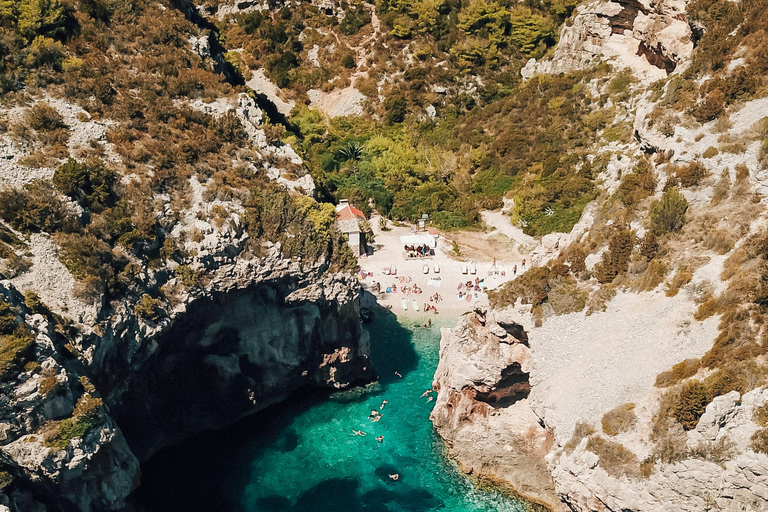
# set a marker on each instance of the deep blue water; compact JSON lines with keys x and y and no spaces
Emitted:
{"x":300,"y":455}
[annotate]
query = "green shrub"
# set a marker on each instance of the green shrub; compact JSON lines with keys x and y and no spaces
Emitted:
{"x":148,"y":308}
{"x":32,"y":302}
{"x":618,"y":420}
{"x":668,"y":213}
{"x":5,"y":479}
{"x":59,"y":434}
{"x":91,"y":183}
{"x":35,"y":208}
{"x":348,"y":61}
{"x":15,"y":350}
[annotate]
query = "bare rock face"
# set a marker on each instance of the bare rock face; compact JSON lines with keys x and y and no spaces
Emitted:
{"x":652,"y":38}
{"x":481,"y":409}
{"x":738,"y":483}
{"x":496,"y":431}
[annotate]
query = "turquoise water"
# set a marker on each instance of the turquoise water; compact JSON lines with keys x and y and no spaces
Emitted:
{"x":301,"y":455}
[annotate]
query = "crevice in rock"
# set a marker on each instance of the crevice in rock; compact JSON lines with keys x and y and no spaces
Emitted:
{"x":513,"y":386}
{"x":516,"y":331}
{"x":231,"y":74}
{"x":626,"y":18}
{"x":656,"y":57}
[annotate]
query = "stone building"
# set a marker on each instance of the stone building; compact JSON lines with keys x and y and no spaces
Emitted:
{"x":349,"y":220}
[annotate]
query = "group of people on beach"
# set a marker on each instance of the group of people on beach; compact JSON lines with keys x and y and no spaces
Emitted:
{"x":418,"y":251}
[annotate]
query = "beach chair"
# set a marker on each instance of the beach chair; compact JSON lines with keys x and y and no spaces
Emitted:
{"x":437,"y":268}
{"x":473,"y":269}
{"x":425,"y":269}
{"x":464,"y":269}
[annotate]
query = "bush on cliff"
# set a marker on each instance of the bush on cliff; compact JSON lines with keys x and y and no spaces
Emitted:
{"x":88,"y":411}
{"x":690,"y":404}
{"x":618,"y":420}
{"x":668,"y":213}
{"x":615,"y":459}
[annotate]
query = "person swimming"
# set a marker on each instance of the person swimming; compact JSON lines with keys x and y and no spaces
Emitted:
{"x":357,"y":433}
{"x":394,"y":477}
{"x":383,"y":403}
{"x":398,"y":374}
{"x":380,"y":439}
{"x":427,"y":392}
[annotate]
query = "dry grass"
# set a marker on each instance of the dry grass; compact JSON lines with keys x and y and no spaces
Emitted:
{"x":681,"y":278}
{"x":580,"y":431}
{"x":615,"y":459}
{"x":619,"y":420}
{"x":680,"y":371}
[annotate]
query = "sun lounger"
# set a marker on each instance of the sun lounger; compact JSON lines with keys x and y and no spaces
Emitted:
{"x":464,"y":269}
{"x":425,"y":269}
{"x":437,"y":268}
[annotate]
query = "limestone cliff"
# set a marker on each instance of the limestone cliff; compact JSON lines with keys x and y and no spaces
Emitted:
{"x":482,"y":411}
{"x":257,"y":332}
{"x":651,"y":37}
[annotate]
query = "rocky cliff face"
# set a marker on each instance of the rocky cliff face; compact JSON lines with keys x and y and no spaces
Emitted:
{"x":482,"y":411}
{"x":497,"y":432}
{"x":260,"y":330}
{"x":651,"y":37}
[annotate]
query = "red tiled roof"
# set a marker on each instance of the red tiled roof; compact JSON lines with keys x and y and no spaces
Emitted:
{"x":349,"y":213}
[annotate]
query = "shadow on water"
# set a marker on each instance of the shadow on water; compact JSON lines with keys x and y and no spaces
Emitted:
{"x":342,"y":494}
{"x":391,"y":347}
{"x":211,"y":470}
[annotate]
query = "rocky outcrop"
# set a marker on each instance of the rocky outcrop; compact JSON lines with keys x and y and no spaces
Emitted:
{"x":724,"y":482}
{"x":259,"y":330}
{"x":482,"y":410}
{"x":652,"y":38}
{"x":495,"y":430}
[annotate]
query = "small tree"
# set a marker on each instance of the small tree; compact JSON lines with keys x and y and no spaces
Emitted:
{"x":691,"y":404}
{"x":668,"y":213}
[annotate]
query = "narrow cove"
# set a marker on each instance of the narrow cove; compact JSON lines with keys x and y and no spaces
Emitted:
{"x":301,"y":454}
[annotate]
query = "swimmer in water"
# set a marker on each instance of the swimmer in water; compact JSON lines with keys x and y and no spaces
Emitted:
{"x":394,"y":477}
{"x":427,"y":392}
{"x":357,"y":433}
{"x":430,"y":398}
{"x":383,"y":403}
{"x":398,"y":374}
{"x":380,"y":439}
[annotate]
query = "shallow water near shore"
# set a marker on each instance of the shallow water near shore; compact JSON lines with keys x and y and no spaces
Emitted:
{"x":301,"y":455}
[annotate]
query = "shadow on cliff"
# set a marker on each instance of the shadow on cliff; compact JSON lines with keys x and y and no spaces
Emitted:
{"x":211,"y":470}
